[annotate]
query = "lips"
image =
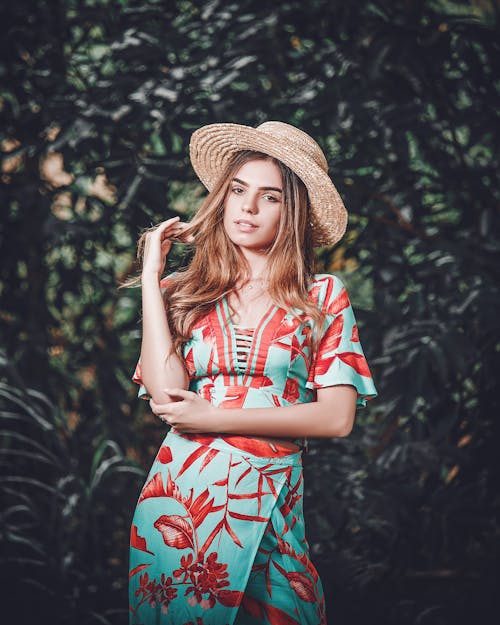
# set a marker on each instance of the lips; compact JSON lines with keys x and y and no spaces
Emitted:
{"x":245,"y":222}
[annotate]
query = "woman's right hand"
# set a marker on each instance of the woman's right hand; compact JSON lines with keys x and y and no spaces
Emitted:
{"x":158,"y":243}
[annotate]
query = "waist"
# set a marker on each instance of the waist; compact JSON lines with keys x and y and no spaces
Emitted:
{"x":255,"y":394}
{"x":246,"y":396}
{"x":261,"y":447}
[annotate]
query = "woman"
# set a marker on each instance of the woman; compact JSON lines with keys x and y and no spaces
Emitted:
{"x":245,"y":354}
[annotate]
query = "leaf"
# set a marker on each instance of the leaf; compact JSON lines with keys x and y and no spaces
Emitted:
{"x":208,"y":458}
{"x":340,"y":302}
{"x":138,"y":542}
{"x":247,"y":495}
{"x":137,"y":569}
{"x":333,"y":336}
{"x":175,"y":530}
{"x":154,"y":488}
{"x":300,"y":583}
{"x":231,"y":533}
{"x":211,"y":536}
{"x":322,"y":366}
{"x":356,"y":361}
{"x":355,"y":334}
{"x":197,"y":453}
{"x":277,"y":616}
{"x":230,"y":598}
{"x":165,"y":454}
{"x":270,"y":483}
{"x":252,"y":606}
{"x":199,"y":509}
{"x":248,"y":517}
{"x":260,"y":609}
{"x":243,"y":475}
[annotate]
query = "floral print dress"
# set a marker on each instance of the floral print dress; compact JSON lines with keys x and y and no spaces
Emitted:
{"x":218,"y":533}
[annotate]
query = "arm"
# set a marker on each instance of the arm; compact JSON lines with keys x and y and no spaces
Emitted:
{"x":332,"y":415}
{"x":158,"y":369}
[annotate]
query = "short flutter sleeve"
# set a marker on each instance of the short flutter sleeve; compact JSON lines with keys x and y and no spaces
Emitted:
{"x":137,"y":375}
{"x":340,"y":358}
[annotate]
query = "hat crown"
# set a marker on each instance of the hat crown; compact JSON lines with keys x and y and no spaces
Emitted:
{"x":298,"y":138}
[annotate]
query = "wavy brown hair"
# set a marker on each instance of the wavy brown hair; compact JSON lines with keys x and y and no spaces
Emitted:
{"x":218,"y":264}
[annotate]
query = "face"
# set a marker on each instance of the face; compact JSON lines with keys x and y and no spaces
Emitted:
{"x":253,"y":206}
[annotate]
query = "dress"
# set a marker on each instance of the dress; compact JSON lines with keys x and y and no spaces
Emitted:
{"x":218,"y":533}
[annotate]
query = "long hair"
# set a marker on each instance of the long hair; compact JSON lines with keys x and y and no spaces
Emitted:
{"x":218,"y":264}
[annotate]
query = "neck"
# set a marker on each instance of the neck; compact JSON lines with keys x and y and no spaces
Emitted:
{"x":256,"y":262}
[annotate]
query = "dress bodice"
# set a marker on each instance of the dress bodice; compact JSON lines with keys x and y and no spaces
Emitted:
{"x":278,"y":369}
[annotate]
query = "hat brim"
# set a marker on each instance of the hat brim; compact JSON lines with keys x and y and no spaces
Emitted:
{"x":212,"y":146}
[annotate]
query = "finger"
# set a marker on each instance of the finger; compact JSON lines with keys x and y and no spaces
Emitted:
{"x":163,"y":410}
{"x":162,"y":225}
{"x":187,"y":237}
{"x":179,"y":233}
{"x":165,"y":227}
{"x":180,"y":392}
{"x":168,"y":233}
{"x":157,"y":408}
{"x":169,"y":222}
{"x":172,"y":413}
{"x":183,"y":237}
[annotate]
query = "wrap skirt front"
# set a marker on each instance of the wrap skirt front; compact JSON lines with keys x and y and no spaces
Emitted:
{"x":218,"y":538}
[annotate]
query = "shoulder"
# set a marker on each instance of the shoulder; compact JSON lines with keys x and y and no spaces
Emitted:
{"x":326,"y":280}
{"x":329,"y":293}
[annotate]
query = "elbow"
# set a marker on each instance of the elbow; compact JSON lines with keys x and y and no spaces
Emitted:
{"x":337,"y":407}
{"x":341,"y":426}
{"x":160,"y":397}
{"x":345,"y":428}
{"x":155,"y":386}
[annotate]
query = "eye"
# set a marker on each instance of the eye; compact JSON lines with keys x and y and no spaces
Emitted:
{"x":237,"y":190}
{"x":271,"y":198}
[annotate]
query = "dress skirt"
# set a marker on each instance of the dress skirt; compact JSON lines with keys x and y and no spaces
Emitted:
{"x":218,"y":537}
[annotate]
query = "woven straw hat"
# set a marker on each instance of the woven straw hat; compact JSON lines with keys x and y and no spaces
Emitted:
{"x":212,"y":146}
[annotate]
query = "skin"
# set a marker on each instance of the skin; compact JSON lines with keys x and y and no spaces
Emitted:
{"x":255,"y":196}
{"x":333,"y":412}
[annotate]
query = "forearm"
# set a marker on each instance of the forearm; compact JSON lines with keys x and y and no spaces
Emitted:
{"x":310,"y":420}
{"x":159,"y":369}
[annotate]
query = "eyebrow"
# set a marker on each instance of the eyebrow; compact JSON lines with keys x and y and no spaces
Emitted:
{"x":260,"y":188}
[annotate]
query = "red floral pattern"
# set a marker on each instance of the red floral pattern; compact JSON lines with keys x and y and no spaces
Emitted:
{"x":279,"y":369}
{"x":190,"y":547}
{"x":218,"y":514}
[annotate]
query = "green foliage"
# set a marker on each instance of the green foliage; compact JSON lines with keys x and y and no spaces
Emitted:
{"x":64,"y":511}
{"x":402,"y":96}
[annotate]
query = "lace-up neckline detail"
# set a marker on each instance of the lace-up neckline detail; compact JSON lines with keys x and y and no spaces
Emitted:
{"x":244,"y":337}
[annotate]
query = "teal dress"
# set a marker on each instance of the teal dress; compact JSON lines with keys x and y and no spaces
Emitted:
{"x":218,"y":533}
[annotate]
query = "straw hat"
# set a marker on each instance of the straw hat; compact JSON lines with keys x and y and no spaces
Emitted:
{"x":212,"y":146}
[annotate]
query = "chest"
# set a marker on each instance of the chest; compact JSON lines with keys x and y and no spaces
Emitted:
{"x":247,"y":310}
{"x":278,"y":342}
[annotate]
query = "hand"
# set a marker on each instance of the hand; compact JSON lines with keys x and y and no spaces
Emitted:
{"x":186,"y":411}
{"x":158,"y":243}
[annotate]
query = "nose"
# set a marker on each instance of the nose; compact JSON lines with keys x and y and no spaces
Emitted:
{"x":248,"y":206}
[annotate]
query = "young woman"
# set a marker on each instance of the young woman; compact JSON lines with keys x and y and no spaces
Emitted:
{"x":246,"y":353}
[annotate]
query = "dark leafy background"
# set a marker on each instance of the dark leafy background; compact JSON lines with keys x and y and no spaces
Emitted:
{"x":98,"y":99}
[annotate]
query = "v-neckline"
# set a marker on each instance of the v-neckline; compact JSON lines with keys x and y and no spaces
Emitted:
{"x":271,"y":308}
{"x":257,"y":331}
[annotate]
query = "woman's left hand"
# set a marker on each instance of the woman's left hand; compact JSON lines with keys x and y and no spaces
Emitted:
{"x":186,"y":412}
